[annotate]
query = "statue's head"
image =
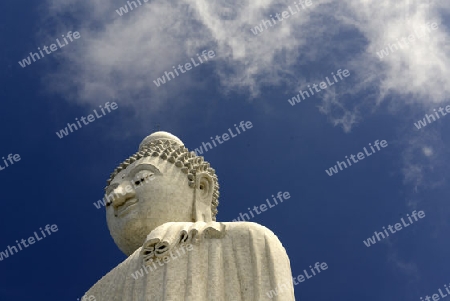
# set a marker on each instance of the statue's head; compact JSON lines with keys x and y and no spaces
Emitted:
{"x":163,"y":182}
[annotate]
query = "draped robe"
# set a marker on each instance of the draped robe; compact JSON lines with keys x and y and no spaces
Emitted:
{"x":182,"y":261}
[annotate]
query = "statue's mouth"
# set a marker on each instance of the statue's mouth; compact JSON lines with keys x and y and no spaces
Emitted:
{"x":122,"y":209}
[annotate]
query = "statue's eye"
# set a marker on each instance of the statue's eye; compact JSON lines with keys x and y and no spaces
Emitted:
{"x":142,"y":177}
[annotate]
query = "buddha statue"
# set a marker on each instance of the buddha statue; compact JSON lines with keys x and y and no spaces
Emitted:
{"x":161,"y":212}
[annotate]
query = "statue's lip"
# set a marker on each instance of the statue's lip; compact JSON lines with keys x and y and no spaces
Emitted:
{"x":128,"y":202}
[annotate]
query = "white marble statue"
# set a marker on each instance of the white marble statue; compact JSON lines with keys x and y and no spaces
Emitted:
{"x":161,"y":212}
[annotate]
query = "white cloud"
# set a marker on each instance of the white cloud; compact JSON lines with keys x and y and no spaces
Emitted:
{"x":423,"y":159}
{"x":119,"y":57}
{"x":427,"y":151}
{"x":337,"y":111}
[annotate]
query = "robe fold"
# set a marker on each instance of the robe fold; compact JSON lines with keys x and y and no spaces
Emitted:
{"x":235,"y":261}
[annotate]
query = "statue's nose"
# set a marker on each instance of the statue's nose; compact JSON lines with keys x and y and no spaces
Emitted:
{"x":122,"y":192}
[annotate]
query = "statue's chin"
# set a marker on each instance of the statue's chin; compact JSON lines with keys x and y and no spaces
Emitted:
{"x":130,"y":233}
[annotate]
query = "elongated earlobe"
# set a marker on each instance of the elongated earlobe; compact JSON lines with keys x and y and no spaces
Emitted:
{"x":203,"y":195}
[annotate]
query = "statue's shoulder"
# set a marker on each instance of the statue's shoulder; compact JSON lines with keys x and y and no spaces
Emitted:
{"x":248,"y":227}
{"x":102,"y":289}
{"x":178,"y":231}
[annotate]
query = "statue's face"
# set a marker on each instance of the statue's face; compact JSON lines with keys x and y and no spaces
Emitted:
{"x":147,"y":194}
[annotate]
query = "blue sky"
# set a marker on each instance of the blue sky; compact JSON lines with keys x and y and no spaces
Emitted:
{"x":288,"y":148}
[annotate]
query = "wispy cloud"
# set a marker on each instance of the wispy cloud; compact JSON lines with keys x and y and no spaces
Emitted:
{"x":423,"y":158}
{"x":338,"y":111}
{"x":120,"y":55}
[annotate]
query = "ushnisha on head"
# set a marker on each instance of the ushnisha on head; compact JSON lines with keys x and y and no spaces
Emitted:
{"x":163,"y":182}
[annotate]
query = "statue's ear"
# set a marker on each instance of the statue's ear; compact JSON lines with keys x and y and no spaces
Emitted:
{"x":203,"y":195}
